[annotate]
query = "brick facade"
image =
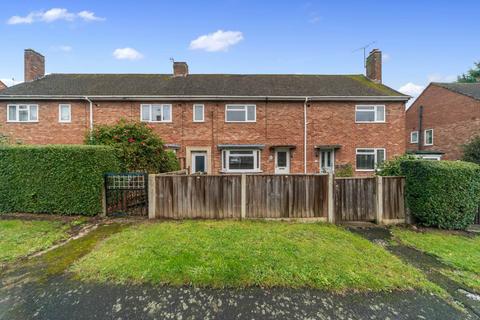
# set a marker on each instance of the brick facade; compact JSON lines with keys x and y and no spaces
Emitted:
{"x":454,"y":118}
{"x":277,"y":123}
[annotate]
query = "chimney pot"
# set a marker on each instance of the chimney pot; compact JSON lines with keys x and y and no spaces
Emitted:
{"x":34,"y":64}
{"x":374,"y":66}
{"x":180,"y":69}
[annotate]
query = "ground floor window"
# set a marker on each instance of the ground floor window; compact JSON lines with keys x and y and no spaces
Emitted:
{"x":241,"y":160}
{"x":368,"y":159}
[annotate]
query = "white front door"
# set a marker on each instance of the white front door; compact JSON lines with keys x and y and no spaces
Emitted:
{"x":282,"y":161}
{"x":199,"y":162}
{"x":327,"y":161}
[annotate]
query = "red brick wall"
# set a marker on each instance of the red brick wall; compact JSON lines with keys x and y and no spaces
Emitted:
{"x":454,"y":118}
{"x":278,"y":123}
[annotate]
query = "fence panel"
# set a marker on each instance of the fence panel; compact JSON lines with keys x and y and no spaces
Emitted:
{"x":214,"y":197}
{"x":393,"y":198}
{"x":355,"y":199}
{"x":286,"y":196}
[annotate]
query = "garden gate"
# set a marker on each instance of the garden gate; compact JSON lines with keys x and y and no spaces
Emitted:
{"x":126,"y":194}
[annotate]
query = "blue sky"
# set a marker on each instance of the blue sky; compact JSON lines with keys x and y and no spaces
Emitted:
{"x":422,"y":41}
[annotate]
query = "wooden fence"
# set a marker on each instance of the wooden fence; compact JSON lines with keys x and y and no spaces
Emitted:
{"x":378,"y":199}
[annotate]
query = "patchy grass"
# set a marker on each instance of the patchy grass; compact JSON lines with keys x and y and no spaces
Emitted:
{"x":458,"y":251}
{"x":238,"y":254}
{"x":19,"y":238}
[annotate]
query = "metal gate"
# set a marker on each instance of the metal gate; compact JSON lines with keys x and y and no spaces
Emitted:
{"x":126,"y":194}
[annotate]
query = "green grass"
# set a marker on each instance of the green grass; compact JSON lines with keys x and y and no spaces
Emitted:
{"x":457,"y":251}
{"x":19,"y":238}
{"x":238,"y":254}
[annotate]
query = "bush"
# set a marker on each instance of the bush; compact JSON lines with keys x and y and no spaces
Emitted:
{"x":444,"y":194}
{"x":54,"y":179}
{"x":344,"y":170}
{"x":392,"y":167}
{"x":139,"y":148}
{"x":471,"y":151}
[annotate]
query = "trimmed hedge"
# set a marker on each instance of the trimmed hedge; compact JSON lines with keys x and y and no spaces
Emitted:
{"x":444,"y":194}
{"x":60,"y":179}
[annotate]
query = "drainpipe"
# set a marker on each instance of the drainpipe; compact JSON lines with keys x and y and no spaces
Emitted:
{"x":305,"y":135}
{"x":420,"y":128}
{"x":91,"y":115}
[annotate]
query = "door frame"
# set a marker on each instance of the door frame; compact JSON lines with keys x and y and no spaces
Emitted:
{"x":195,"y":154}
{"x":287,"y":151}
{"x":332,"y":159}
{"x":188,"y":157}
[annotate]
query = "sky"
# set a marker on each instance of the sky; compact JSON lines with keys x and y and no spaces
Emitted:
{"x":421,"y":41}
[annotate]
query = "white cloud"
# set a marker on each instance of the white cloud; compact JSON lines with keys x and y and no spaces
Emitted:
{"x":411,"y":89}
{"x":437,"y":77}
{"x":52,"y":15}
{"x":386,"y":57}
{"x":127,"y":54}
{"x":217,"y":41}
{"x":10,"y":82}
{"x":65,"y":48}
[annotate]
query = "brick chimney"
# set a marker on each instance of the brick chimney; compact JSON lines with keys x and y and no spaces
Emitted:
{"x":180,"y":69}
{"x":34,"y":64}
{"x":374,"y":66}
{"x":3,"y":86}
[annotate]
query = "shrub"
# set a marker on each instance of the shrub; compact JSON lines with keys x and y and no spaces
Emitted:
{"x":443,"y":194}
{"x":344,"y":170}
{"x":139,"y":148}
{"x":471,"y":150}
{"x":392,"y":167}
{"x":54,"y":179}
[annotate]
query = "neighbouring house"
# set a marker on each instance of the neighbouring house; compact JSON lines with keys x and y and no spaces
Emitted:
{"x":221,"y":123}
{"x":2,"y":86}
{"x":442,"y":119}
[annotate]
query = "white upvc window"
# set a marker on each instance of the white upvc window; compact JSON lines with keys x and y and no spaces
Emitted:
{"x":242,"y":160}
{"x":428,"y":137}
{"x":156,"y":112}
{"x":414,"y":137}
{"x":64,"y":113}
{"x":369,"y":114}
{"x":198,"y":113}
{"x":368,"y":159}
{"x":22,"y":113}
{"x":240,"y":113}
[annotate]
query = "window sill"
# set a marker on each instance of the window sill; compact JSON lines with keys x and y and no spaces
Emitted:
{"x":156,"y":121}
{"x":370,"y":122}
{"x":240,"y":171}
{"x":22,"y":121}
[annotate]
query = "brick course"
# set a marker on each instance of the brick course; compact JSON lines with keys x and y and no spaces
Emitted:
{"x":278,"y":123}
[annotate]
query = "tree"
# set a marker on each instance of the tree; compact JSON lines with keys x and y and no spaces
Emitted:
{"x":393,"y":167}
{"x":471,"y":151}
{"x":139,"y":147}
{"x":472,"y":76}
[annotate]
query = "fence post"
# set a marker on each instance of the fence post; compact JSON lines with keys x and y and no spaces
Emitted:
{"x":152,"y":194}
{"x":330,"y":200}
{"x":379,"y":217}
{"x":243,"y":213}
{"x":104,"y":198}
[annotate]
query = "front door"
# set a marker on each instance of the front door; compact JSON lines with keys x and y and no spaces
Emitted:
{"x":282,"y":161}
{"x":327,"y":161}
{"x":199,"y":162}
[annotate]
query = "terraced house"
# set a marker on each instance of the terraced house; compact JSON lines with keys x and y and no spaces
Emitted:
{"x":220,"y":123}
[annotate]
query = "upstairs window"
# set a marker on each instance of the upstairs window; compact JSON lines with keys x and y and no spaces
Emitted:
{"x":414,"y":137}
{"x":369,"y":159}
{"x":368,"y":114}
{"x":156,"y":112}
{"x":198,"y":113}
{"x":240,"y":113}
{"x":429,"y":137}
{"x":22,"y":113}
{"x":64,"y":113}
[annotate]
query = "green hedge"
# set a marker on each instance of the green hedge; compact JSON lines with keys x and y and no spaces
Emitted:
{"x":56,"y":179}
{"x":444,"y":194}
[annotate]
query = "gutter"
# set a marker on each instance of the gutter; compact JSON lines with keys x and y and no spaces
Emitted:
{"x":90,"y":114}
{"x":305,"y":135}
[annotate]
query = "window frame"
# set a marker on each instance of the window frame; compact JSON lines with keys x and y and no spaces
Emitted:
{"x":150,"y":107}
{"x":17,"y":113}
{"x":245,"y":107}
{"x":375,"y":160}
{"x":69,"y":112}
{"x":375,"y":111}
{"x":203,"y":112}
{"x":257,"y":155}
{"x":425,"y":138}
{"x":411,"y":136}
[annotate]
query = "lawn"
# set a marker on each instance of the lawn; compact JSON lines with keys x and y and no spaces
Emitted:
{"x":238,"y":254}
{"x":19,"y":238}
{"x":459,"y":251}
